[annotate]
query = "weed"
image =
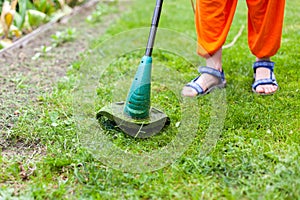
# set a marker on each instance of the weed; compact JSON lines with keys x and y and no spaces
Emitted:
{"x":101,"y":10}
{"x":61,"y":37}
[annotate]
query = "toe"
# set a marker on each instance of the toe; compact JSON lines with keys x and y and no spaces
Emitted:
{"x":266,"y":89}
{"x":260,"y":89}
{"x":273,"y":88}
{"x":188,"y":92}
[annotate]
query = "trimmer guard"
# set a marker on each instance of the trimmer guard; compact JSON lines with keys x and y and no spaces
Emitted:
{"x":145,"y":128}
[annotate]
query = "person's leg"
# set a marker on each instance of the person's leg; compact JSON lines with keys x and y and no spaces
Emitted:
{"x":265,"y":19}
{"x":212,"y":19}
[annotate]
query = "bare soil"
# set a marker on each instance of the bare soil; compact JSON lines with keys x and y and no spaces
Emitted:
{"x":23,"y":79}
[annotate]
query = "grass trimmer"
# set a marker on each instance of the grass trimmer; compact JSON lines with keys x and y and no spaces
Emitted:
{"x":136,"y":117}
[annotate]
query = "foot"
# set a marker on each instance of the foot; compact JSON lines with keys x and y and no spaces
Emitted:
{"x":205,"y":81}
{"x":263,"y":73}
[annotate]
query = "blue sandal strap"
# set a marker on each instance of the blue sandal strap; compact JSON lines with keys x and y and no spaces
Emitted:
{"x":266,"y":81}
{"x":195,"y":86}
{"x":265,"y":64}
{"x":212,"y":71}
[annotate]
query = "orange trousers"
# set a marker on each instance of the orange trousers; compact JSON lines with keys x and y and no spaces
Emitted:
{"x":265,"y":18}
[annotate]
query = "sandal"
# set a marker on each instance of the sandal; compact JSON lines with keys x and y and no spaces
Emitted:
{"x":208,"y":70}
{"x":266,"y":81}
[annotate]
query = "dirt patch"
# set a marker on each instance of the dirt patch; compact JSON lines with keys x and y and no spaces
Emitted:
{"x":23,"y":79}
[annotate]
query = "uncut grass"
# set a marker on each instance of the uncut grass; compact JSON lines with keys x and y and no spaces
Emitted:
{"x":257,"y":155}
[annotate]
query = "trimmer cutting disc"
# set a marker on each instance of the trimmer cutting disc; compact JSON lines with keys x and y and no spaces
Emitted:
{"x":114,"y":114}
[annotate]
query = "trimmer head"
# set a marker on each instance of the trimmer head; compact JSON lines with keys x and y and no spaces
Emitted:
{"x":114,"y":114}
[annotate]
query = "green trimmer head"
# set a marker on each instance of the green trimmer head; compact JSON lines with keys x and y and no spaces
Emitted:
{"x":139,"y":128}
{"x":135,"y":117}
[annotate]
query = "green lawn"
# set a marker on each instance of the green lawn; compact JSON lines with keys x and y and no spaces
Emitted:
{"x":235,"y":144}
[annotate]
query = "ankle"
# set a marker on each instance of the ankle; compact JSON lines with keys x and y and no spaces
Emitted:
{"x":214,"y":65}
{"x":263,"y":59}
{"x":215,"y":61}
{"x":217,"y":67}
